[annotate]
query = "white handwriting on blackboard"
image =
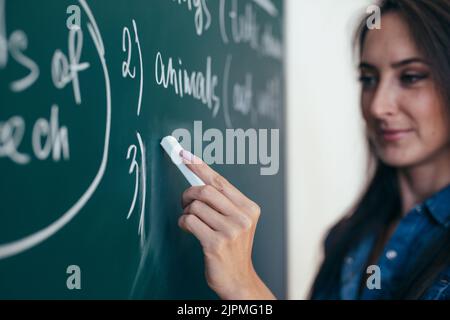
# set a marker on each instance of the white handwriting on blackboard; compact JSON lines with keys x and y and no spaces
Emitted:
{"x":199,"y":85}
{"x":265,"y":102}
{"x":127,"y":48}
{"x":134,"y":168}
{"x":270,"y":100}
{"x":11,"y":135}
{"x":56,"y":137}
{"x":244,"y":28}
{"x":47,"y":137}
{"x":16,"y":45}
{"x":140,"y":173}
{"x":29,"y":241}
{"x":139,"y":170}
{"x":270,"y":45}
{"x":243,"y":95}
{"x":202,"y":14}
{"x":65,"y":70}
{"x":267,"y":6}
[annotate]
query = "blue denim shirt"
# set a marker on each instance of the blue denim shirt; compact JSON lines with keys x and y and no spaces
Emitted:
{"x":425,"y":223}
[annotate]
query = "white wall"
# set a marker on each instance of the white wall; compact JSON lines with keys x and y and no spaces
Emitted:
{"x":326,"y":150}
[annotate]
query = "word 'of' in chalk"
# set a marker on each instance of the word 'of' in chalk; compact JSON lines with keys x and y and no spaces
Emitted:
{"x":173,"y":149}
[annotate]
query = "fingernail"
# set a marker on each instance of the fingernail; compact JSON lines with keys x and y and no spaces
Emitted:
{"x":186,"y":155}
{"x":189,"y":157}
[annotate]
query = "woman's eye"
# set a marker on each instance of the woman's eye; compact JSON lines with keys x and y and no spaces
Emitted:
{"x":410,"y":79}
{"x":368,"y":81}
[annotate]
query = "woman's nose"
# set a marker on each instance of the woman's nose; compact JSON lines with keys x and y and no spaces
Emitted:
{"x":384,"y":102}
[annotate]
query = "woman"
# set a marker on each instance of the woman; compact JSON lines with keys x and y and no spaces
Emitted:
{"x":402,"y":222}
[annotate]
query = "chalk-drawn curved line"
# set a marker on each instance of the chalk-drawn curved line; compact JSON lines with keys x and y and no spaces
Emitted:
{"x":16,"y":247}
{"x":3,"y":41}
{"x":141,"y":85}
{"x":141,"y":229}
{"x":145,"y":250}
{"x":133,"y":168}
{"x":223,"y":31}
{"x":208,"y":17}
{"x":268,"y":6}
{"x":226,"y":78}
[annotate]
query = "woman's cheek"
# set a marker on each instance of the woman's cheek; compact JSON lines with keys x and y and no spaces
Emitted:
{"x":431,"y":121}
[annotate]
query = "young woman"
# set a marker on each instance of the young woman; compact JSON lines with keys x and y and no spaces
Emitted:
{"x":402,"y":222}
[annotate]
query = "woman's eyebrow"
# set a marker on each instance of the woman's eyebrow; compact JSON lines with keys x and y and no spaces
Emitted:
{"x":395,"y":65}
{"x":366,"y":65}
{"x":405,"y":62}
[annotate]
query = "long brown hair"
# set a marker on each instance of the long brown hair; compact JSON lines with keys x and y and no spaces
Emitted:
{"x":380,"y":205}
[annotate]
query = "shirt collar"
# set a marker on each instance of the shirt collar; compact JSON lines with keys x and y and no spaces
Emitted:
{"x":439,"y":206}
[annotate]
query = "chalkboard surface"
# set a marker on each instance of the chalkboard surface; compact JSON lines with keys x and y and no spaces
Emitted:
{"x":87,"y":91}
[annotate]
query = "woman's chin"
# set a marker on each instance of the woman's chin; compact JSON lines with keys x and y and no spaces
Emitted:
{"x":397,"y":159}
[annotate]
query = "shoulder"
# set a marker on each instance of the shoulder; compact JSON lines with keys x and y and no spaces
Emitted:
{"x":440,"y":289}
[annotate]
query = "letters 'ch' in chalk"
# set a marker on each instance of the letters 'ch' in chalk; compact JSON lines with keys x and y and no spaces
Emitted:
{"x":173,"y":149}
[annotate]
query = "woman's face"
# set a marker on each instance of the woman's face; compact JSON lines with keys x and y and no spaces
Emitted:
{"x":405,"y":115}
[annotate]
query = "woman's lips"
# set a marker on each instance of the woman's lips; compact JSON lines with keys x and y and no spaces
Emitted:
{"x":390,"y":135}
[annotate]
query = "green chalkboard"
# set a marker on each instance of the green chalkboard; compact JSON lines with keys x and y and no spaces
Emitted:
{"x":89,"y":202}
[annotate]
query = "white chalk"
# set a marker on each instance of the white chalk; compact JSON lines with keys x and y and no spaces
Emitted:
{"x":173,"y":149}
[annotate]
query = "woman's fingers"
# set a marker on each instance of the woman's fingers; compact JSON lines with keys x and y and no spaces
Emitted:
{"x":193,"y":224}
{"x":211,"y":177}
{"x":208,"y":215}
{"x":212,"y":197}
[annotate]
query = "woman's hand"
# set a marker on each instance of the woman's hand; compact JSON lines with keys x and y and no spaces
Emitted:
{"x":224,"y":221}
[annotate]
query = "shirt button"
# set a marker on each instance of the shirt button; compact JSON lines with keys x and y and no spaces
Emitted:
{"x":391,"y":254}
{"x":348,"y":260}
